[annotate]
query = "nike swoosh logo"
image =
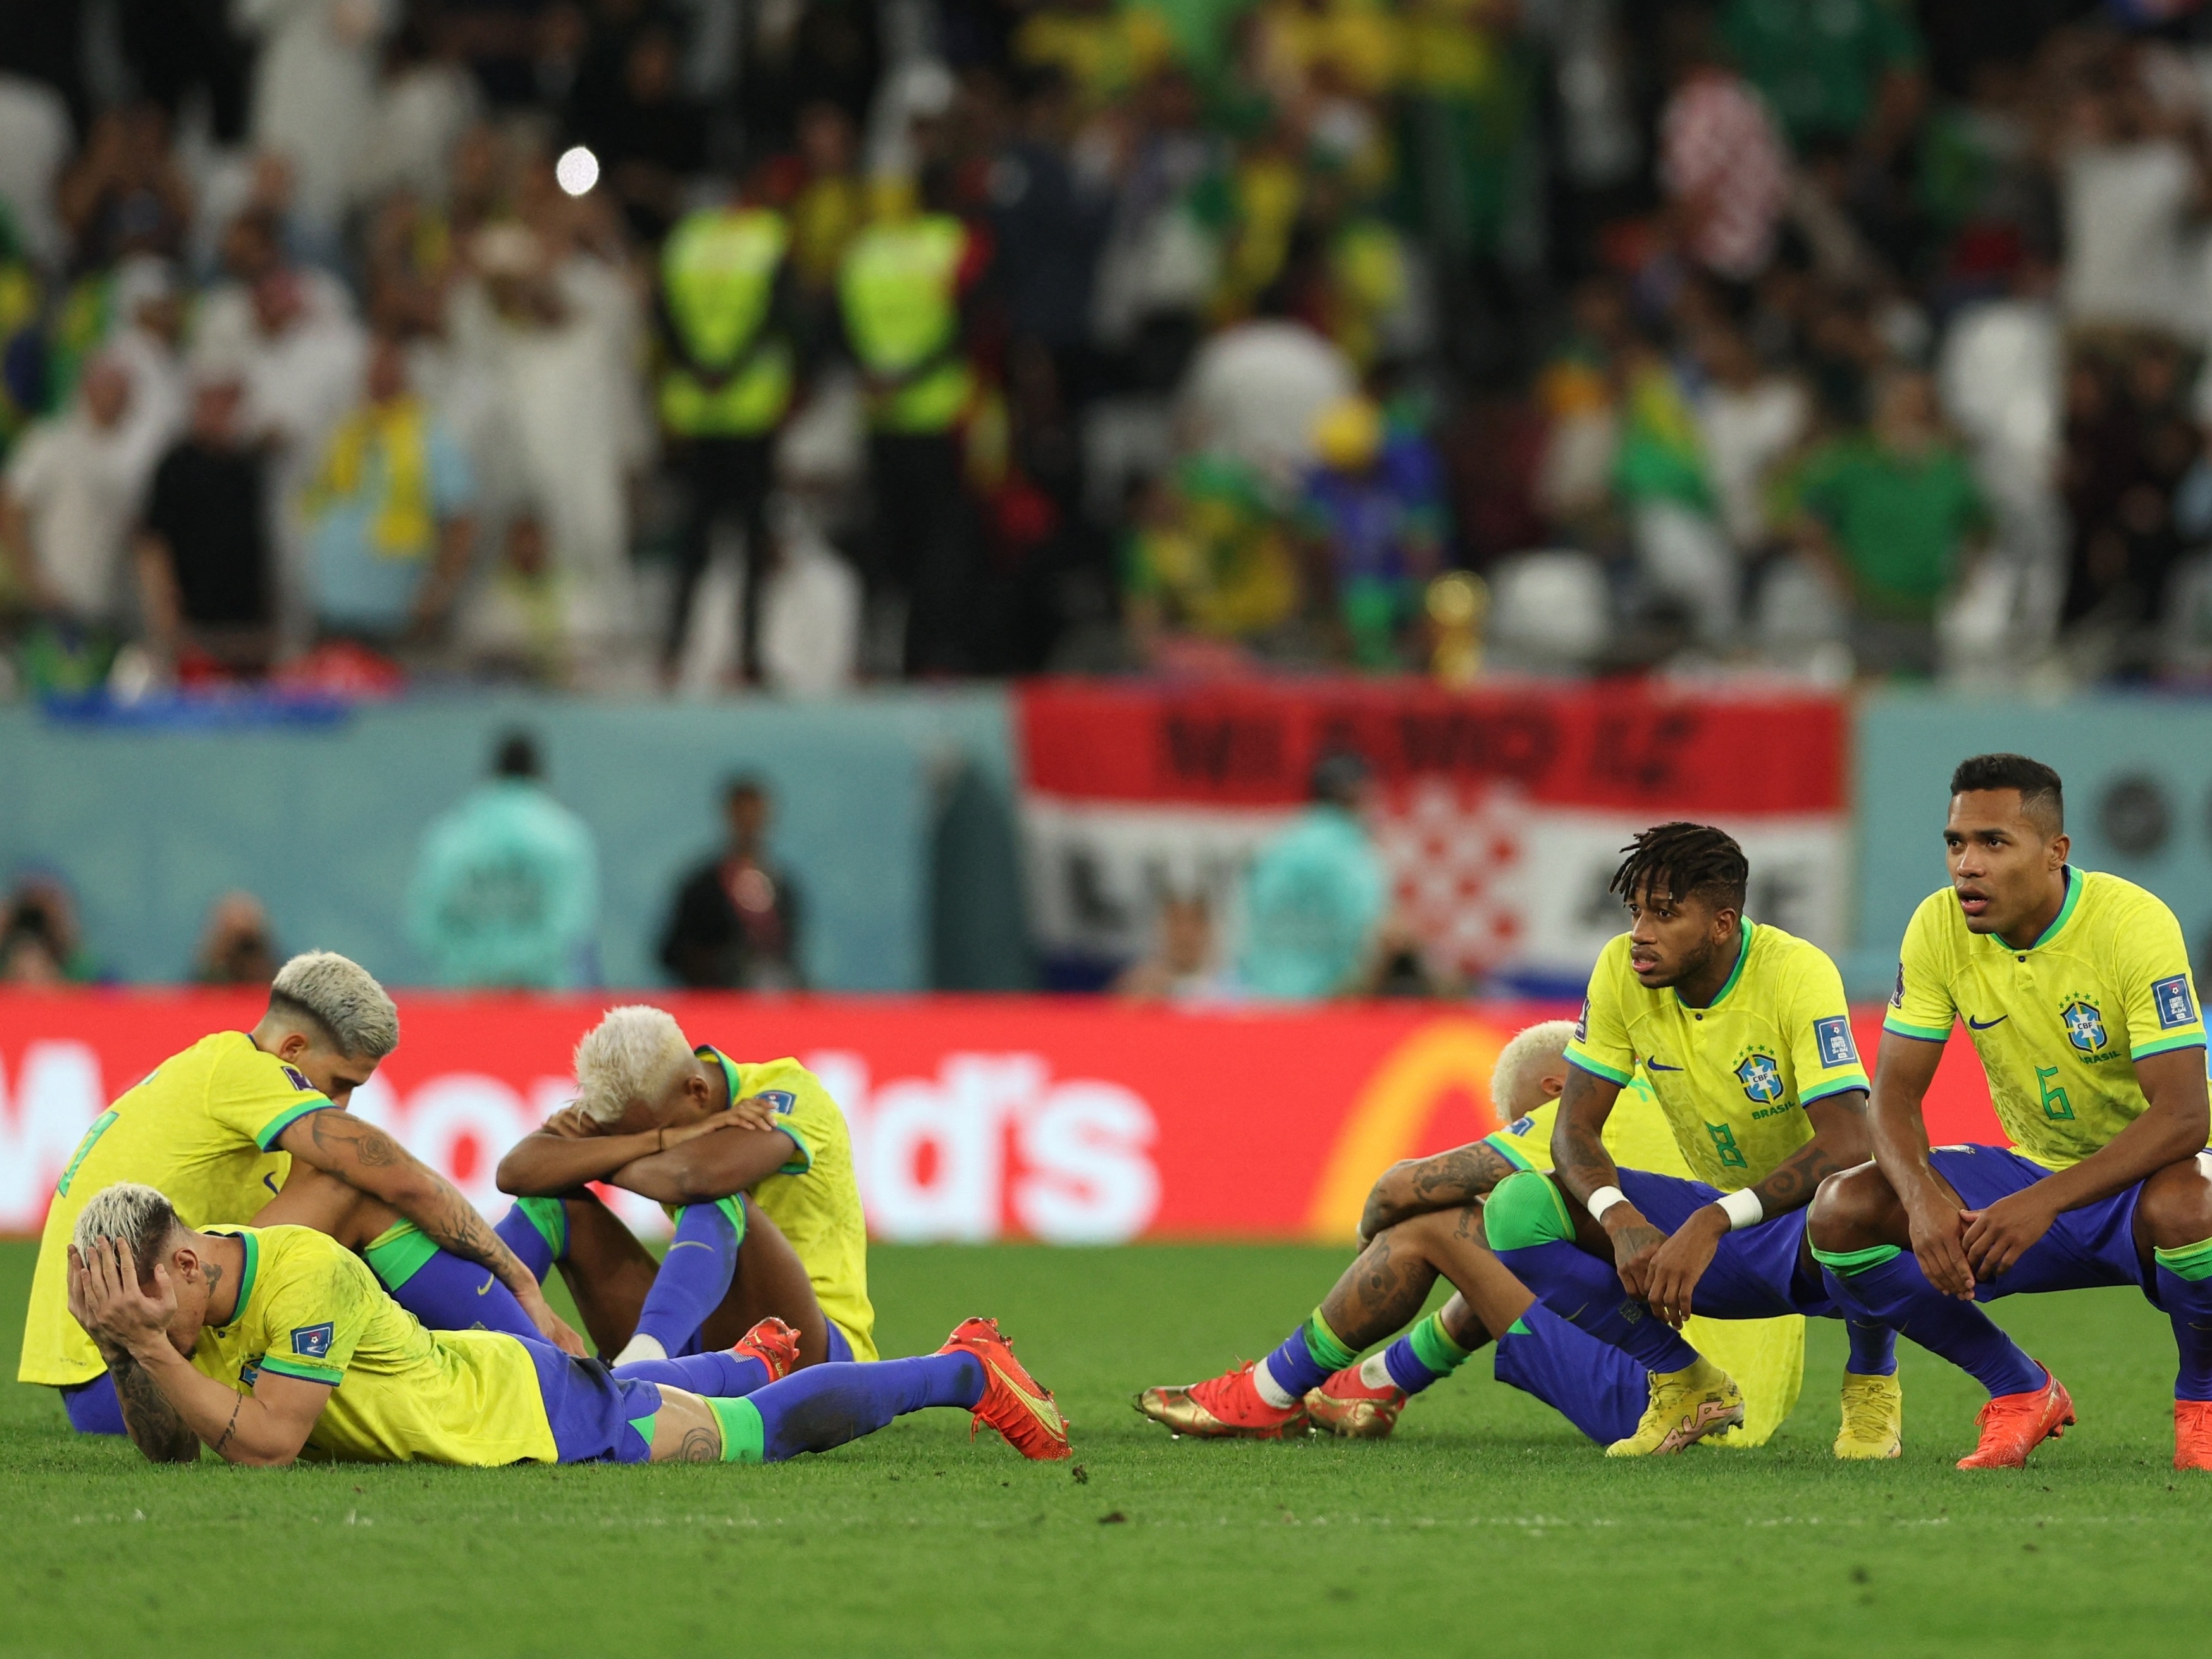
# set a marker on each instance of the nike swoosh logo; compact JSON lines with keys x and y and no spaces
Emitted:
{"x":1654,"y":1065}
{"x":1043,"y":1410}
{"x":484,"y":1289}
{"x":1984,"y":1025}
{"x":269,"y":1180}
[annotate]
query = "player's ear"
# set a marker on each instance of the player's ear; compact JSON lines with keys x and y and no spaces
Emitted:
{"x":2059,"y":845}
{"x":1553,"y":1085}
{"x":294,"y":1044}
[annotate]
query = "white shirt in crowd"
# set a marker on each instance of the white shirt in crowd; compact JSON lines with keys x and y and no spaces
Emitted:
{"x":2125,"y":208}
{"x":1748,"y":431}
{"x":81,"y":487}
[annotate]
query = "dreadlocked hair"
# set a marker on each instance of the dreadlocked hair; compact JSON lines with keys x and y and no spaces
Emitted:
{"x":1679,"y":860}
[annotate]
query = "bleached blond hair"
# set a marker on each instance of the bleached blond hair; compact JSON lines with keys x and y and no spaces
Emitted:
{"x":630,"y":1055}
{"x":341,"y":996}
{"x":135,"y":1216}
{"x":1531,"y":1053}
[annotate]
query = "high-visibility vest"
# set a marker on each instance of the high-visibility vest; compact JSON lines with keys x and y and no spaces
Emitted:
{"x":728,"y":378}
{"x":900,"y":291}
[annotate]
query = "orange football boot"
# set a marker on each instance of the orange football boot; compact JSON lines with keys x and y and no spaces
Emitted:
{"x":1348,"y":1408}
{"x":772,"y":1342}
{"x":1014,"y":1402}
{"x":2192,"y":1434}
{"x":1226,"y":1407}
{"x":2015,"y":1424}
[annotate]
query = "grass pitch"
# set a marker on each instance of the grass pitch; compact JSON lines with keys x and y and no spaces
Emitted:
{"x":1486,"y":1527}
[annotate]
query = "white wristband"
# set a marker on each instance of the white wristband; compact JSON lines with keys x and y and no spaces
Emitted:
{"x":1743,"y":1210}
{"x":1603,"y":1200}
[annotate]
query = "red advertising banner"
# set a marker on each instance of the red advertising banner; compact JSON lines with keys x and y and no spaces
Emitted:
{"x":1070,"y":1120}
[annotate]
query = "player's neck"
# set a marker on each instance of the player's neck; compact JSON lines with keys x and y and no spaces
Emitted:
{"x":223,"y":1256}
{"x":1699,"y":989}
{"x":2037,"y":923}
{"x":718,"y":1085}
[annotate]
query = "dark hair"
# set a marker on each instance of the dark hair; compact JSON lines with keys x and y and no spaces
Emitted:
{"x":1337,"y":776}
{"x":517,"y":756}
{"x":2041,"y":794}
{"x":1682,"y":859}
{"x":744,"y":783}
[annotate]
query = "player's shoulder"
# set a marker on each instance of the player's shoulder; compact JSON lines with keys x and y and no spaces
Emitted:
{"x":1937,"y":922}
{"x":1613,"y":964}
{"x":295,"y":1255}
{"x":2113,"y":902}
{"x":1784,"y":959}
{"x":235,"y":1060}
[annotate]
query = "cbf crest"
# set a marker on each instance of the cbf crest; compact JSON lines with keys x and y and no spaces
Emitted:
{"x":1761,"y":1078}
{"x":2085,"y":1025}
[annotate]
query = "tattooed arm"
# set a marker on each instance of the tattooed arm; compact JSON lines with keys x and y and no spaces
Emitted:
{"x":370,"y":1161}
{"x":147,"y":1417}
{"x":1842,"y":1139}
{"x":1416,"y":1186}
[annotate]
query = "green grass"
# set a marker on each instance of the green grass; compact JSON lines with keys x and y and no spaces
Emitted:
{"x":1486,"y":1527}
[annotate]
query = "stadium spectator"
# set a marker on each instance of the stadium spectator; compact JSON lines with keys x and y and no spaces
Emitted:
{"x":736,"y":920}
{"x":1373,"y":508}
{"x":40,"y":943}
{"x":315,"y":93}
{"x":388,"y":515}
{"x":205,"y":578}
{"x":1183,"y":964}
{"x":505,"y":888}
{"x":1316,"y":894}
{"x":236,"y":948}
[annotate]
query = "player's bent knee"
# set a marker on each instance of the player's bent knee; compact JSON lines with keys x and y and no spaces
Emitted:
{"x":1846,"y":1210}
{"x":2176,"y":1205}
{"x":1524,"y":1211}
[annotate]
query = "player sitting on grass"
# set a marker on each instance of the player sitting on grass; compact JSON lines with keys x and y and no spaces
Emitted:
{"x":1416,"y":1226}
{"x":1745,"y":1039}
{"x":238,"y":1115}
{"x":777,"y":1167}
{"x":2074,"y":987}
{"x":267,"y":1343}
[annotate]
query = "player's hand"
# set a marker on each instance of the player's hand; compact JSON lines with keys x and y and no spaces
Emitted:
{"x":749,"y":1112}
{"x":569,"y":1123}
{"x":550,"y":1326}
{"x":1671,"y":1272}
{"x":1634,"y":1242}
{"x":1937,"y":1227}
{"x":105,"y":1299}
{"x":1999,"y":1235}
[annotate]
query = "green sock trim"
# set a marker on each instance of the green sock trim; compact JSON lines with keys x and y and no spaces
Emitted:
{"x":743,"y":1434}
{"x":1433,"y":1346}
{"x":1321,"y":1344}
{"x":1523,"y":1211}
{"x":733,"y":1206}
{"x":397,"y":1255}
{"x":551,"y":1217}
{"x":2190,"y":1261}
{"x":1856,"y":1261}
{"x":644,"y":1427}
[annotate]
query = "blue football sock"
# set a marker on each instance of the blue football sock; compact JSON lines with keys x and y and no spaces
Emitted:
{"x":718,"y":1374}
{"x":826,"y":1406}
{"x":1307,"y":1358}
{"x":1426,"y":1354}
{"x":1892,"y":1291}
{"x":441,"y":1290}
{"x":2185,"y":1290}
{"x":1595,"y":1386}
{"x":1873,"y":1348}
{"x":696,"y":1274}
{"x":536,"y":1230}
{"x":1588,"y":1293}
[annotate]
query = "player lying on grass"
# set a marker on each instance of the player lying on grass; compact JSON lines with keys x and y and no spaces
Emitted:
{"x":777,"y":1166}
{"x":1743,"y":1035}
{"x":267,"y":1344}
{"x":238,"y":1116}
{"x":2076,"y":990}
{"x":1421,"y":1222}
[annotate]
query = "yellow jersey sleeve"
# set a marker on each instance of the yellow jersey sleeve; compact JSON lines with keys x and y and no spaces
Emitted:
{"x":1823,"y":1055}
{"x":258,"y":1096}
{"x":1600,"y":1045}
{"x":2162,"y":1009}
{"x":313,"y":1312}
{"x":1921,"y":1005}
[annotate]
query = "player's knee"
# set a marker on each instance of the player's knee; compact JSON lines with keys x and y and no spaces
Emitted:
{"x":1846,"y":1209}
{"x":2176,"y":1205}
{"x":1524,"y":1211}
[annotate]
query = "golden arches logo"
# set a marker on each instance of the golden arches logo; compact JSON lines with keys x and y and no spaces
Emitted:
{"x":1393,"y":1105}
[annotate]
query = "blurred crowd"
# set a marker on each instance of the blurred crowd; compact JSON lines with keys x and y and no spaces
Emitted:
{"x":683,"y":344}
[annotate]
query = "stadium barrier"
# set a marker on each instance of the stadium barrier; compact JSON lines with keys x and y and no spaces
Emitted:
{"x":1073,"y":1121}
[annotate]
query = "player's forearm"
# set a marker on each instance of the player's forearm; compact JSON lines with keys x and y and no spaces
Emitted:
{"x":1841,"y":1140}
{"x":1579,"y":1158}
{"x":148,"y":1418}
{"x":2144,"y":1147}
{"x":541,"y":1165}
{"x":238,"y":1428}
{"x":451,"y":1223}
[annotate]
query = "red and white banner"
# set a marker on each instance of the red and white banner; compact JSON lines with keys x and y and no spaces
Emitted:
{"x":1504,"y":806}
{"x":1071,"y":1121}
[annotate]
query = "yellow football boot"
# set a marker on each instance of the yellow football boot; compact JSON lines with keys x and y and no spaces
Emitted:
{"x":1874,"y":1417}
{"x":1685,"y":1407}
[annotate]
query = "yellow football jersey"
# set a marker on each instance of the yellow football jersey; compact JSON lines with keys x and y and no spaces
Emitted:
{"x":2059,"y":1025}
{"x":309,"y":1308}
{"x":200,"y":1128}
{"x":1766,"y":1357}
{"x":815,"y":1199}
{"x":1734,"y":1078}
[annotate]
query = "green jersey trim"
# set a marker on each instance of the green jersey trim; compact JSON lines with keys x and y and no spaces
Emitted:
{"x":1743,"y":956}
{"x":2167,"y":1045}
{"x":245,"y":1276}
{"x":100,"y":1126}
{"x":1897,"y":1027}
{"x":301,"y":1370}
{"x":1502,"y":1144}
{"x":2074,"y":885}
{"x":1585,"y":1063}
{"x":286,"y":1119}
{"x":1842,"y":1085}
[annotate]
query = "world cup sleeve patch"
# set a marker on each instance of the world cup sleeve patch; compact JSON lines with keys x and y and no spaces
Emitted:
{"x":1835,"y":1037}
{"x":779,"y":1100}
{"x":298,"y":1080}
{"x":1582,"y":1023}
{"x":313,"y":1341}
{"x":2174,"y":1004}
